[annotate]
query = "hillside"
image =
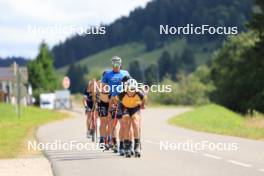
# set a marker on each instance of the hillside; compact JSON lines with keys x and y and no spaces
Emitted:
{"x":142,"y":26}
{"x":136,"y":51}
{"x":6,"y":62}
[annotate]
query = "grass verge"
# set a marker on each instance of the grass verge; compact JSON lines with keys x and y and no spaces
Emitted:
{"x":14,"y":131}
{"x":217,"y":119}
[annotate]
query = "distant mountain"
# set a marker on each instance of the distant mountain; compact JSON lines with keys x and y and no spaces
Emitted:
{"x":143,"y":24}
{"x":6,"y":62}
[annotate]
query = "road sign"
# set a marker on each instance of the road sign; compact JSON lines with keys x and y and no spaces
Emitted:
{"x":63,"y":99}
{"x":66,"y":82}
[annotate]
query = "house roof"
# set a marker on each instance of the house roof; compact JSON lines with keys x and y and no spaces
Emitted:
{"x":6,"y":74}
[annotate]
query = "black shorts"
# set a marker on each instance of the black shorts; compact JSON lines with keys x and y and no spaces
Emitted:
{"x":118,"y":113}
{"x":131,"y":111}
{"x":102,"y":109}
{"x":89,"y":106}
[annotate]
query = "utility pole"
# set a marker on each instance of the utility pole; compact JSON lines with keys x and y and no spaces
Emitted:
{"x":18,"y":93}
{"x":18,"y":82}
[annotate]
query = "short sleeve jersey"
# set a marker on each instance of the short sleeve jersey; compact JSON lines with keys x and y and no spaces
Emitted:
{"x":114,"y":81}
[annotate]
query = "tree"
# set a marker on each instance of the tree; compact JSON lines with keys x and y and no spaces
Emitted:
{"x":237,"y":75}
{"x":135,"y":70}
{"x":188,"y":60}
{"x":148,"y":19}
{"x":176,"y":66}
{"x":151,"y":74}
{"x":76,"y":73}
{"x":257,"y":22}
{"x":41,"y":72}
{"x":150,"y":38}
{"x":164,"y":65}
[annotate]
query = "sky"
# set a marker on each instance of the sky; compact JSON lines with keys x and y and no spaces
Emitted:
{"x":25,"y":23}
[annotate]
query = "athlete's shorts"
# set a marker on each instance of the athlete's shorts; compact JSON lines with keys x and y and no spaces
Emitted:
{"x":131,"y":111}
{"x":118,"y":113}
{"x":102,"y":109}
{"x":89,"y":106}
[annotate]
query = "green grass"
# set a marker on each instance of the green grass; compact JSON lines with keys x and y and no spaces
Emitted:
{"x":136,"y":51}
{"x":217,"y":119}
{"x":101,"y":60}
{"x":14,"y":131}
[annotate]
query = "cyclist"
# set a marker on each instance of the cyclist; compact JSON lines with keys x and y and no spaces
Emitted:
{"x":113,"y":78}
{"x":88,"y":102}
{"x":132,"y":99}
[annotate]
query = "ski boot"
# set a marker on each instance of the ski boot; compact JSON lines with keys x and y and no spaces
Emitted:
{"x":121,"y":149}
{"x":92,"y":133}
{"x":101,"y":143}
{"x":107,"y":147}
{"x":121,"y":152}
{"x":114,"y":147}
{"x":127,"y":153}
{"x":131,"y":148}
{"x":137,"y":148}
{"x":88,"y":134}
{"x":127,"y":149}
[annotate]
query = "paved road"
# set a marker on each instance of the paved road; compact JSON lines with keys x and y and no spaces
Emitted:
{"x":248,"y":160}
{"x":26,"y":166}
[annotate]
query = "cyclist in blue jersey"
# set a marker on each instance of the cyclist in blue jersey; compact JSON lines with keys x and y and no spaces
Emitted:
{"x":113,"y":79}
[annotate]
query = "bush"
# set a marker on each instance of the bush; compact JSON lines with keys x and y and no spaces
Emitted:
{"x":193,"y":89}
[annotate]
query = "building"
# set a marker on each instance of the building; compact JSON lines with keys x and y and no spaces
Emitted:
{"x":9,"y":82}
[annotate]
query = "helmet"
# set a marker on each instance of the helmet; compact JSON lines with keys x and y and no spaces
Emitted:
{"x":132,"y":84}
{"x":116,"y":61}
{"x":125,"y":79}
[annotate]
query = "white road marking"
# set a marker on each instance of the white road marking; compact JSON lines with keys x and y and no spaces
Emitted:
{"x":148,"y":141}
{"x":261,"y":170}
{"x":239,"y":163}
{"x":212,"y":156}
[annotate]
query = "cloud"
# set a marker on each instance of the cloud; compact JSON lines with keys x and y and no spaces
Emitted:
{"x":16,"y":16}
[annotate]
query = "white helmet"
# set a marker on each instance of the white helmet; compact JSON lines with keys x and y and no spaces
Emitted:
{"x":116,"y":61}
{"x":132,"y":84}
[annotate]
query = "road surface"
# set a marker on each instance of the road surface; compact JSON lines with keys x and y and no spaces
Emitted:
{"x":247,"y":160}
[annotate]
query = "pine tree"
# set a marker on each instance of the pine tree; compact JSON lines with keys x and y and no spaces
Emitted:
{"x":257,"y":22}
{"x":188,"y":60}
{"x":77,"y":73}
{"x":150,"y":38}
{"x":135,"y":70}
{"x":151,"y":74}
{"x":164,"y":65}
{"x":176,"y":66}
{"x":42,"y":74}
